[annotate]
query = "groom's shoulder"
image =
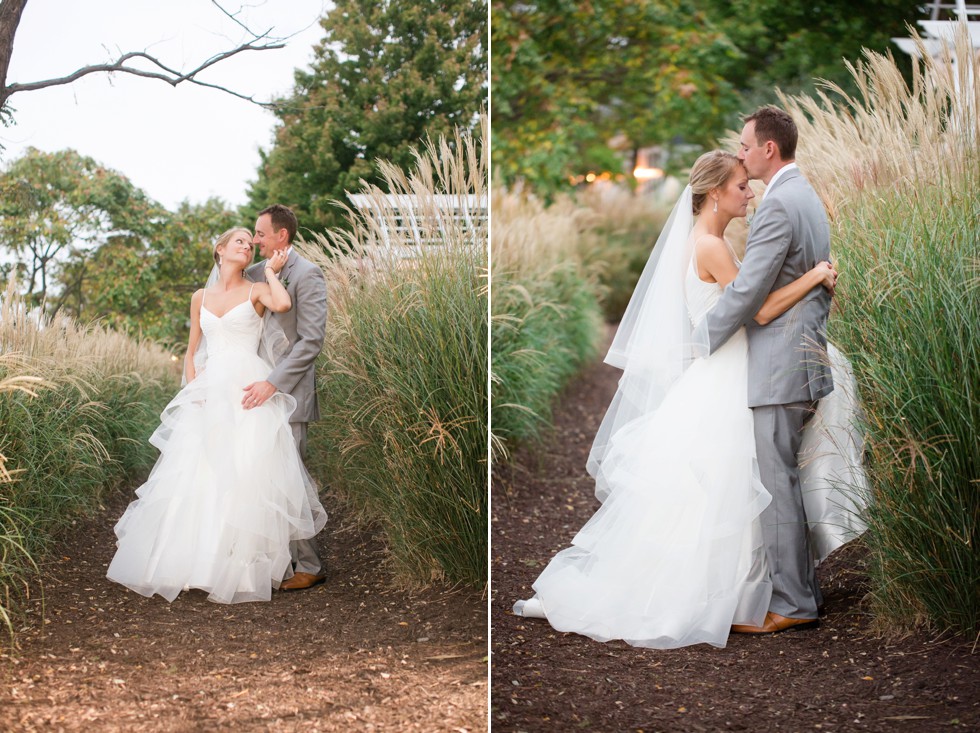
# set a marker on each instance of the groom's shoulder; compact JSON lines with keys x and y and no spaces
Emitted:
{"x":304,"y":265}
{"x":793,"y":185}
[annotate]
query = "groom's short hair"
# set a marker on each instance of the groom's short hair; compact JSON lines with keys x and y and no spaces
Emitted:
{"x":282,"y":217}
{"x":772,"y":123}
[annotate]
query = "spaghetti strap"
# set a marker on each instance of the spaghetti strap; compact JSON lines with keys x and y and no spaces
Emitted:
{"x":731,"y":251}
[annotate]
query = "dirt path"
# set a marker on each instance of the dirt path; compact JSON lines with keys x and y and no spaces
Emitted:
{"x":840,"y":677}
{"x":354,"y":654}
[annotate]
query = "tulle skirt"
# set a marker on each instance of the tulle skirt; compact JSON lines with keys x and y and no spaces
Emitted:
{"x":226,"y":496}
{"x":675,"y":556}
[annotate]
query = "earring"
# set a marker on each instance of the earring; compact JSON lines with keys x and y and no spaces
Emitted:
{"x":715,"y":209}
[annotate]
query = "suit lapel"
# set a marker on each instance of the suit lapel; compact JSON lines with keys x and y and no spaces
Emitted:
{"x":287,"y":270}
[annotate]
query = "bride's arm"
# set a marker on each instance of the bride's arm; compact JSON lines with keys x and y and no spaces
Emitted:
{"x":195,"y":337}
{"x":715,"y":261}
{"x":272,"y":294}
{"x":780,"y":301}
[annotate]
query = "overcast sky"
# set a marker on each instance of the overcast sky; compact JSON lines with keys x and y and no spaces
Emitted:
{"x":184,"y":142}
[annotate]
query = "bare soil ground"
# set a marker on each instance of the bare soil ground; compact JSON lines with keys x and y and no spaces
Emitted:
{"x":842,"y":676}
{"x":354,"y":654}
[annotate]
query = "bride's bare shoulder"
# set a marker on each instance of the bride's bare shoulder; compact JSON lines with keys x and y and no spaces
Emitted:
{"x":709,"y":245}
{"x":714,"y":259}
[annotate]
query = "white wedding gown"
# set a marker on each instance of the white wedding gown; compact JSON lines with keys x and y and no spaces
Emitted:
{"x":674,"y":555}
{"x":229,"y":490}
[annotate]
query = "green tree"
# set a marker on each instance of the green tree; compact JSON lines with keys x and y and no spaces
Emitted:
{"x":145,"y":285}
{"x":56,"y":206}
{"x":386,"y":75}
{"x":568,"y":76}
{"x":791,"y":45}
{"x":84,"y":239}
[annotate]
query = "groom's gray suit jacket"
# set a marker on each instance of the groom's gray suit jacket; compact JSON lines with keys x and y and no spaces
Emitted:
{"x":305,"y":326}
{"x":789,"y":235}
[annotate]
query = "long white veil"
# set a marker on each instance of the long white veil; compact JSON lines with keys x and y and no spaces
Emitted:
{"x":653,"y":343}
{"x":273,"y":342}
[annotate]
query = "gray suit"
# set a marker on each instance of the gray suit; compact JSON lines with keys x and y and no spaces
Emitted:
{"x":787,"y":371}
{"x":295,"y":374}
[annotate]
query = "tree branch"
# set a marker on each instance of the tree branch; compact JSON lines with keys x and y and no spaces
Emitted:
{"x":234,"y":17}
{"x":165,"y":73}
{"x":10,"y":12}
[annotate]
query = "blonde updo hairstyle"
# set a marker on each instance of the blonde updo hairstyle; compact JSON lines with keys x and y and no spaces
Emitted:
{"x":224,"y":239}
{"x":712,"y":170}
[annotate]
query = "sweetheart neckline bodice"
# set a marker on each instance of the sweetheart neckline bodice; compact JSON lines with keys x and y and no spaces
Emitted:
{"x":234,"y":307}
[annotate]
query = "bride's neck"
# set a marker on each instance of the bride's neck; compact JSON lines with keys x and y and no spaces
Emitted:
{"x":230,"y":276}
{"x":710,"y":222}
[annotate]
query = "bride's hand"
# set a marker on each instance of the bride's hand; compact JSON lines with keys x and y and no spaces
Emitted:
{"x":278,"y":260}
{"x":827,"y":275}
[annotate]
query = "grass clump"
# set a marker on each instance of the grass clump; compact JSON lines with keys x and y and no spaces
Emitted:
{"x":546,"y":316}
{"x":77,"y":404}
{"x":618,"y":244}
{"x":899,"y":169}
{"x":403,"y":375}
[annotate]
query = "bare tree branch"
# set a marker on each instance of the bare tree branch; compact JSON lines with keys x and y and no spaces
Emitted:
{"x":10,"y":12}
{"x":167,"y":74}
{"x":234,"y":17}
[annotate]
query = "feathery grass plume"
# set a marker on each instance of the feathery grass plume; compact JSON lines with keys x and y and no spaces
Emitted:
{"x":892,"y":134}
{"x":899,"y":169}
{"x":403,"y":376}
{"x":77,"y":404}
{"x":14,"y":559}
{"x":619,"y":243}
{"x":545,"y":312}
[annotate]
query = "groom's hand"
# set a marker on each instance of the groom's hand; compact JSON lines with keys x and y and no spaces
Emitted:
{"x":257,"y":393}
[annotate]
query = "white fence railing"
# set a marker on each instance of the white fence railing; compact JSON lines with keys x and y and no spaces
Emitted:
{"x":406,"y":224}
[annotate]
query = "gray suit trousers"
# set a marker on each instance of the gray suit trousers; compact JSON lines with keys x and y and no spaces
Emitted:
{"x":778,"y":435}
{"x":304,"y":553}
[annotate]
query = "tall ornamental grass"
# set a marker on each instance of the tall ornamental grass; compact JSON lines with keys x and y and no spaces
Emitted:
{"x":546,"y":315}
{"x":558,"y":271}
{"x":403,"y":377}
{"x":899,"y":169}
{"x":77,"y":404}
{"x":618,"y":244}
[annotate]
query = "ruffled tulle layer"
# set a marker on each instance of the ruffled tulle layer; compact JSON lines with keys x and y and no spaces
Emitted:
{"x":674,"y":556}
{"x":668,"y":559}
{"x":226,"y":496}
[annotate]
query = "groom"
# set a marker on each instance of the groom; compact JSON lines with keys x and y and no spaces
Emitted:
{"x":787,"y":369}
{"x":305,"y":326}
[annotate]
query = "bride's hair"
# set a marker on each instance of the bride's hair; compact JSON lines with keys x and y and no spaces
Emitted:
{"x":224,"y":239}
{"x":711,"y":170}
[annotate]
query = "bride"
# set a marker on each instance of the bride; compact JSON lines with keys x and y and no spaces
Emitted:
{"x":229,"y":490}
{"x":674,"y":556}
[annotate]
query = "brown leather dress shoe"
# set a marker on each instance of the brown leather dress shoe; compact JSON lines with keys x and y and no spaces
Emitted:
{"x":302,"y":581}
{"x":775,"y":624}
